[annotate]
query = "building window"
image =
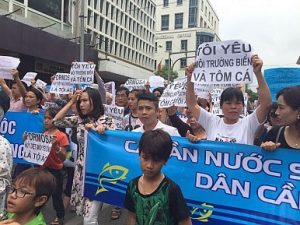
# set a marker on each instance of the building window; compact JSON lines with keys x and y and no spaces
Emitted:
{"x":203,"y":37}
{"x":166,"y":3}
{"x":155,"y":48}
{"x":168,"y":46}
{"x":182,"y":62}
{"x":178,"y":20}
{"x":167,"y":62}
{"x":179,"y":2}
{"x":183,"y":45}
{"x":193,"y":13}
{"x":165,"y":22}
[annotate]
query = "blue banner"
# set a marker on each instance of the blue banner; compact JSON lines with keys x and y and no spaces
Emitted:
{"x":279,"y":78}
{"x":14,"y":124}
{"x":222,"y":183}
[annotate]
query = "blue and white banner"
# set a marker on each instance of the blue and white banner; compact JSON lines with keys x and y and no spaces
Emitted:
{"x":14,"y":124}
{"x":222,"y":183}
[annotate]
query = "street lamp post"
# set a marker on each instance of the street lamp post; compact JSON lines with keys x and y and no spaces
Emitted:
{"x":169,"y":61}
{"x":81,"y":54}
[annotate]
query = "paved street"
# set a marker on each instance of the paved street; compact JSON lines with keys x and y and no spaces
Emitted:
{"x":72,"y":219}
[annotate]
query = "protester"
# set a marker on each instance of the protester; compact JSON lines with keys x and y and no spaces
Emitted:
{"x":122,"y":99}
{"x":231,"y":128}
{"x":148,"y":115}
{"x":131,"y":121}
{"x":153,"y":196}
{"x":16,"y":99}
{"x":158,"y":91}
{"x":54,"y":162}
{"x":6,"y":159}
{"x":90,"y":116}
{"x":27,"y":196}
{"x":288,"y":113}
{"x":272,"y":121}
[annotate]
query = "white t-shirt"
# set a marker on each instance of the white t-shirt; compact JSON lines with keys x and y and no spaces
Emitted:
{"x":242,"y":132}
{"x":172,"y":131}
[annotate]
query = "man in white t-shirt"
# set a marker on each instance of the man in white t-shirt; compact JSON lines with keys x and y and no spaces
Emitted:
{"x":232,"y":128}
{"x":148,"y":113}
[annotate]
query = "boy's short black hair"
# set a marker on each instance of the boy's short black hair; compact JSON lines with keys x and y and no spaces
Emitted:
{"x":40,"y":179}
{"x":157,"y":144}
{"x":230,"y":94}
{"x":149,"y":97}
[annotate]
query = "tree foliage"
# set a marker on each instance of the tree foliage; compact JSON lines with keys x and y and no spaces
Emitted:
{"x":163,"y":72}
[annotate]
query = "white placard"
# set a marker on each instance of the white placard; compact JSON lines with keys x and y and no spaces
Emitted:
{"x":227,"y":62}
{"x":29,"y":77}
{"x":41,"y":84}
{"x":116,"y":112}
{"x":156,"y":81}
{"x":111,"y":88}
{"x":37,"y":147}
{"x":135,"y":84}
{"x":174,"y":94}
{"x":8,"y":63}
{"x":82,"y":73}
{"x":215,"y":99}
{"x":61,"y":84}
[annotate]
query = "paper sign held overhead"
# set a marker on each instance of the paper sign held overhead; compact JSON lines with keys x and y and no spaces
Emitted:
{"x":82,"y":73}
{"x":227,"y":62}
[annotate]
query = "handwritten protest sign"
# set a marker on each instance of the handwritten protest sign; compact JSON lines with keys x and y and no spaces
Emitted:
{"x":223,"y":63}
{"x":116,"y":112}
{"x":37,"y":147}
{"x":135,"y":84}
{"x":82,"y":72}
{"x":8,"y":63}
{"x":40,"y":84}
{"x":61,"y":84}
{"x":215,"y":98}
{"x":111,"y":88}
{"x":156,"y":81}
{"x":174,"y":94}
{"x":29,"y":77}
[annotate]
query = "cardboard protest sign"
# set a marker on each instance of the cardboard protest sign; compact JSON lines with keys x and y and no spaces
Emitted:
{"x":29,"y":77}
{"x":82,"y":72}
{"x":135,"y":84}
{"x":156,"y":81}
{"x":8,"y":63}
{"x":174,"y":94}
{"x":215,"y":98}
{"x":37,"y":147}
{"x":111,"y":88}
{"x":227,"y":62}
{"x":116,"y":112}
{"x":40,"y":84}
{"x":61,"y":84}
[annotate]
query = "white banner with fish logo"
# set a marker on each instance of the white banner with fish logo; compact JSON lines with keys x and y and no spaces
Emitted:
{"x":222,"y":183}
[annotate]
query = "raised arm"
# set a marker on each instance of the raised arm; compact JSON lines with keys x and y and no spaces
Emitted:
{"x":263,"y":91}
{"x":62,"y":113}
{"x":190,"y":93}
{"x":16,"y":76}
{"x":5,"y":88}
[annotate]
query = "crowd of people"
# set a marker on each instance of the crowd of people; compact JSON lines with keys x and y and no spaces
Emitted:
{"x":270,"y":125}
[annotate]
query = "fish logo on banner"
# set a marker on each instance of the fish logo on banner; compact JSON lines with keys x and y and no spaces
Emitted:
{"x":202,"y":214}
{"x":111,"y":174}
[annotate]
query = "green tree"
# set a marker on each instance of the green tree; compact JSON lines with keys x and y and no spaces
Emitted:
{"x":163,"y":72}
{"x":252,"y":95}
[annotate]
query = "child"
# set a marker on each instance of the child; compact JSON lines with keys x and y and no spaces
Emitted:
{"x":54,"y":162}
{"x":28,"y":194}
{"x":153,"y":198}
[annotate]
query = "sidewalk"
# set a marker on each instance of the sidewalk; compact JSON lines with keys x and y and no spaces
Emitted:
{"x":72,"y":219}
